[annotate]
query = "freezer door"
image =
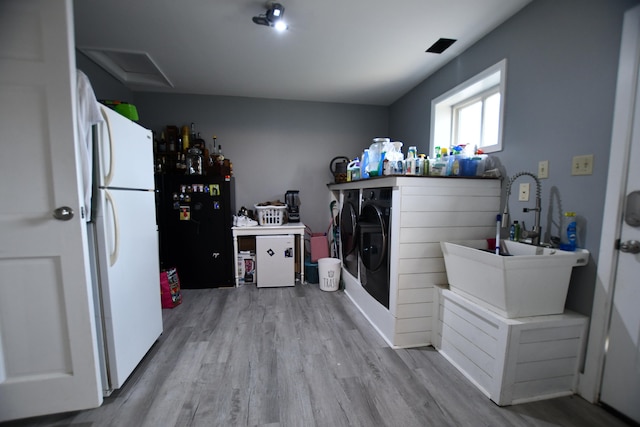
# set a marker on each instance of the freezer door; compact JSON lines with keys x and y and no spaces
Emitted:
{"x":125,"y":152}
{"x":129,"y":271}
{"x":275,"y":261}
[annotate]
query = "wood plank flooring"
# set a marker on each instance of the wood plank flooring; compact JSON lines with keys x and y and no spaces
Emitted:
{"x":300,"y":357}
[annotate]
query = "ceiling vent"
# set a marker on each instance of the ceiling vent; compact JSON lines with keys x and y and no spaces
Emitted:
{"x":440,"y":46}
{"x":133,"y":69}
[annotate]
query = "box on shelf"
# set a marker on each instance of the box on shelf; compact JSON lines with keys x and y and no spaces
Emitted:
{"x":246,"y":267}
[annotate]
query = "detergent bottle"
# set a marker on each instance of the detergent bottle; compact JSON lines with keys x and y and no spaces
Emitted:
{"x":364,"y":173}
{"x":353,"y":170}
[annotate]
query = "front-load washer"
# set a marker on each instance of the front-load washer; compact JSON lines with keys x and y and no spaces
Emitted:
{"x":373,"y":242}
{"x":348,"y":220}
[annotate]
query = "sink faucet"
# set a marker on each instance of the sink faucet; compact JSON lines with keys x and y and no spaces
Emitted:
{"x":535,"y":233}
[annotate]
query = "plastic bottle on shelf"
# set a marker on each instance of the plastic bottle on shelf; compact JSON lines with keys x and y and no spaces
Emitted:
{"x":353,"y":170}
{"x":364,"y":174}
{"x":438,"y":166}
{"x":568,"y":232}
{"x":514,"y":231}
{"x":410,"y":163}
{"x":186,"y":143}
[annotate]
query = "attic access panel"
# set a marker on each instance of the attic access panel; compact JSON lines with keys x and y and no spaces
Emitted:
{"x":131,"y":68}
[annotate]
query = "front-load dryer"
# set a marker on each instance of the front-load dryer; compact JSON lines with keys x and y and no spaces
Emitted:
{"x":373,"y":242}
{"x":348,"y":221}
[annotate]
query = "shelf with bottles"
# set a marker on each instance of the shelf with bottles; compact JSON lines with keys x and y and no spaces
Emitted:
{"x":186,"y":153}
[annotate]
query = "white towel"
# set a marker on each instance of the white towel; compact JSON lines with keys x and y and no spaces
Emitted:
{"x":88,"y":115}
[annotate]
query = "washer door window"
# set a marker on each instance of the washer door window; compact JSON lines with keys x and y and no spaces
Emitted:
{"x":348,"y":240}
{"x":373,"y":242}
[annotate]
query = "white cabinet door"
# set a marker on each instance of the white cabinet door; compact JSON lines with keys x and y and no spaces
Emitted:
{"x":48,"y":355}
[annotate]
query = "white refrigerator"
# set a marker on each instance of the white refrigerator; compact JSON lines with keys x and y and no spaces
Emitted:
{"x":275,"y":261}
{"x":125,"y":259}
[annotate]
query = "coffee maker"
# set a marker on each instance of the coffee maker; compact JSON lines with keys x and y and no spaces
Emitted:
{"x":293,"y":205}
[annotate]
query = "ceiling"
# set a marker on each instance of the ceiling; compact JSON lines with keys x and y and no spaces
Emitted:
{"x":356,"y":51}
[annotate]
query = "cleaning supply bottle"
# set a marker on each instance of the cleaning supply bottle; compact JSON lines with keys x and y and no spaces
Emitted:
{"x":438,"y":166}
{"x":410,"y":163}
{"x":424,"y":166}
{"x":353,"y":170}
{"x":364,"y":173}
{"x":514,"y":231}
{"x":568,"y":232}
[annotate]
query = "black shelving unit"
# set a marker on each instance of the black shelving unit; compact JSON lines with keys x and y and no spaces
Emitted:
{"x":195,"y":216}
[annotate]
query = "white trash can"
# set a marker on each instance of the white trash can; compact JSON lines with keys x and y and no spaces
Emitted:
{"x":329,"y":273}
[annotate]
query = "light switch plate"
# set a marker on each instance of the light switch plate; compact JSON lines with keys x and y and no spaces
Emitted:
{"x":523,"y":193}
{"x":582,"y":165}
{"x":543,"y":169}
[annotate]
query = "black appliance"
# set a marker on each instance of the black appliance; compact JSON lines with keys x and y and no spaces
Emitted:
{"x":373,"y":242}
{"x":292,"y":200}
{"x":195,"y":216}
{"x":348,"y":239}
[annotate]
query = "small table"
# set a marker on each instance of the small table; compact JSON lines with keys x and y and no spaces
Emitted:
{"x":269,"y":230}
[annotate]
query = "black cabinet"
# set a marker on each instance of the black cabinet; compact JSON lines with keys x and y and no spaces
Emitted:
{"x":195,"y":216}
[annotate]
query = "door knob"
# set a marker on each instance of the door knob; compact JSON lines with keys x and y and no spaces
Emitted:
{"x":630,"y":247}
{"x":64,"y":213}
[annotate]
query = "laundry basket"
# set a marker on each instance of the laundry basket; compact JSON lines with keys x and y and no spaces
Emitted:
{"x":270,"y":215}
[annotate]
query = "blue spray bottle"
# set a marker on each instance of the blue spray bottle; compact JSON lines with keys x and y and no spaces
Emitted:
{"x":569,"y":231}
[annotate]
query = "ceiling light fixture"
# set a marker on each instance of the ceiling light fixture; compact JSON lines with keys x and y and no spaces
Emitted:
{"x":273,"y":17}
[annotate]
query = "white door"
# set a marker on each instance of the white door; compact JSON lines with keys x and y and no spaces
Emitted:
{"x":621,"y":376}
{"x":48,"y":355}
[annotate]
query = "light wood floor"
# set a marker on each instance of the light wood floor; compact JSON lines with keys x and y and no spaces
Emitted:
{"x":300,"y":357}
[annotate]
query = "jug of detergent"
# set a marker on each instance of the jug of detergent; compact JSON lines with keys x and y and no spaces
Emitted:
{"x":376,"y":156}
{"x":364,"y":174}
{"x":353,"y":170}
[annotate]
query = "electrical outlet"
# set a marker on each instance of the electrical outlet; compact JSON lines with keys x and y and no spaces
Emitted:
{"x":582,"y":165}
{"x":543,"y":169}
{"x":523,"y":194}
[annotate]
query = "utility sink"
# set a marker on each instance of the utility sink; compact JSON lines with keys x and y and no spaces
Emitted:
{"x":525,"y":281}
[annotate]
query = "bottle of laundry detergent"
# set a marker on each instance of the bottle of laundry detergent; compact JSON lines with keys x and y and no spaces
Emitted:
{"x":353,"y":170}
{"x":568,"y":232}
{"x":364,"y":173}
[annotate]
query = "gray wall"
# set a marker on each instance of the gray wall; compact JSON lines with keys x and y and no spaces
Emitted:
{"x":561,"y":75}
{"x":275,"y":146}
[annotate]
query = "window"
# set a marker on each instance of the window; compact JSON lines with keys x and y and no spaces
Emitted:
{"x":471,"y":114}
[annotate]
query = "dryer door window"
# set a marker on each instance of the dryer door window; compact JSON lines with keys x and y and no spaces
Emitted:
{"x":373,"y":238}
{"x":348,"y":218}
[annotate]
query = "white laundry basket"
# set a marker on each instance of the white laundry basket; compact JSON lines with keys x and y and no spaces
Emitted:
{"x":329,"y":273}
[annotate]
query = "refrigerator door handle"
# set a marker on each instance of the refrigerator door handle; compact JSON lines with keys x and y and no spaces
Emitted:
{"x":113,"y":256}
{"x":109,"y":175}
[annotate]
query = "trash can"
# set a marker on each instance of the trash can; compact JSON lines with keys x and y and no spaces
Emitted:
{"x":329,"y":272}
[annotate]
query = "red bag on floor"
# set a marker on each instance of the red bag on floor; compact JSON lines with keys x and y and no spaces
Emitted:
{"x":170,"y":295}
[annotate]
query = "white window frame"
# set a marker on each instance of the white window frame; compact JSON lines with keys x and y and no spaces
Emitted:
{"x":491,"y":80}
